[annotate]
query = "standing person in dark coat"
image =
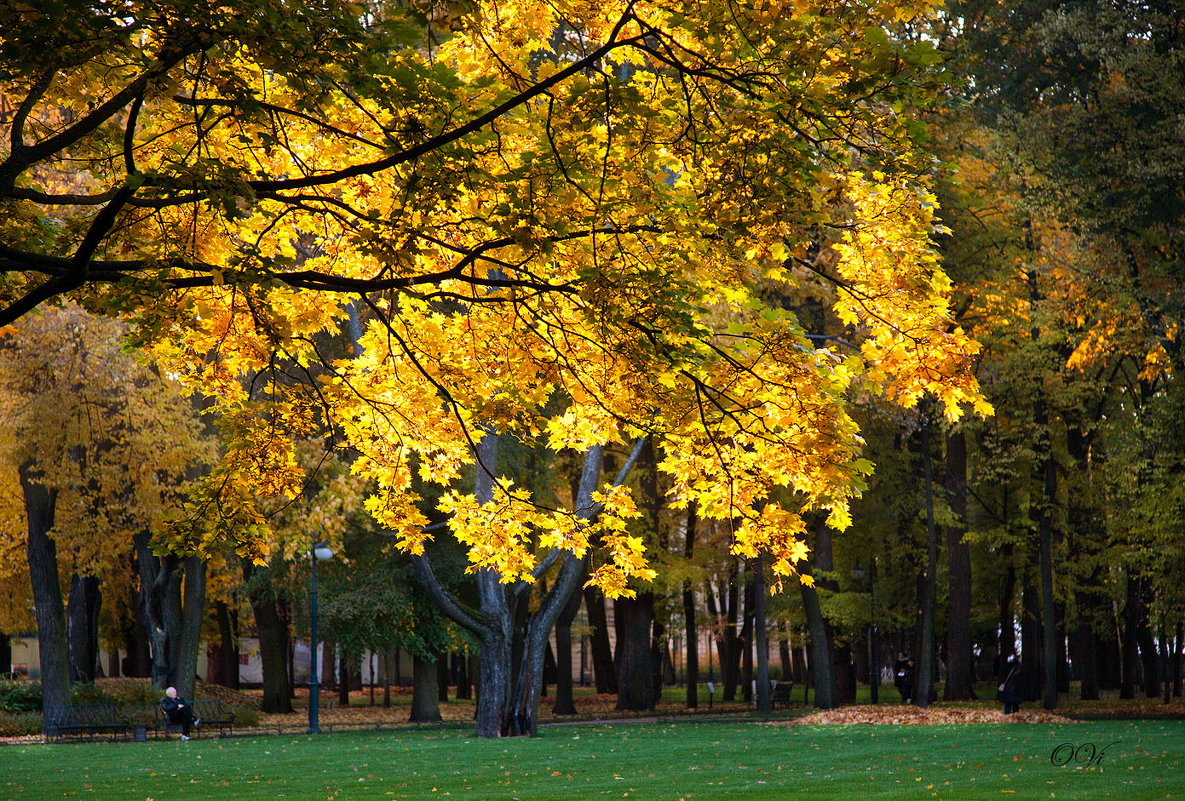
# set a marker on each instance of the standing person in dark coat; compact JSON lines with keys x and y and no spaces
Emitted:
{"x":1012,"y":686}
{"x":903,"y":677}
{"x":178,"y":711}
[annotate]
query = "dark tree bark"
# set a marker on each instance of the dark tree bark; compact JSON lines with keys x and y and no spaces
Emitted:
{"x":960,"y":661}
{"x":464,"y":682}
{"x":228,"y":651}
{"x":1086,"y":644}
{"x":925,"y":660}
{"x":425,"y":694}
{"x":1148,"y":657}
{"x":604,"y":673}
{"x":564,"y":703}
{"x":186,"y":618}
{"x":784,"y":657}
{"x":82,"y":628}
{"x":745,"y":643}
{"x":327,"y":664}
{"x":273,"y":646}
{"x":1031,"y":637}
{"x":441,"y":679}
{"x":1131,"y":624}
{"x":40,"y":502}
{"x":1178,"y":646}
{"x":633,"y":618}
{"x":692,"y":631}
{"x":344,"y":678}
{"x":138,"y":662}
{"x":822,"y":665}
{"x":764,"y":702}
{"x":725,"y":632}
{"x":174,"y":620}
{"x":1007,"y":625}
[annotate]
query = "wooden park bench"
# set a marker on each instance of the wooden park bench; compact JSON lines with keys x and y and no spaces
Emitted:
{"x":210,"y":712}
{"x":89,"y":719}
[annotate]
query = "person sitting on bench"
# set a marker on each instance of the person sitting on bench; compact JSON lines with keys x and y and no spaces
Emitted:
{"x":178,"y":711}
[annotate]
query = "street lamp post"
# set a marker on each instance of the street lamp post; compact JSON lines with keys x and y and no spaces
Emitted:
{"x":874,"y":673}
{"x":320,"y":551}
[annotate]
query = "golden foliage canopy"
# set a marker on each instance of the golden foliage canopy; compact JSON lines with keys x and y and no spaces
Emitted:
{"x":561,"y":220}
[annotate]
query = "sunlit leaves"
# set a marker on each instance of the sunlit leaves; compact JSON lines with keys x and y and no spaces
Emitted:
{"x":566,"y":222}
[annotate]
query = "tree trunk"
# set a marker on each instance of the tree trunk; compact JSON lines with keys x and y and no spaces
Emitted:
{"x":1131,"y":623}
{"x":633,"y":618}
{"x":343,"y":684}
{"x":604,"y":673}
{"x":745,"y":643}
{"x":82,"y":628}
{"x":692,"y":631}
{"x":1086,"y":652}
{"x":229,"y":650}
{"x":425,"y":693}
{"x":273,"y":647}
{"x":764,"y":702}
{"x":925,"y":660}
{"x":822,"y":665}
{"x":1031,"y":637}
{"x":784,"y":657}
{"x":564,"y":703}
{"x":1148,"y":657}
{"x":960,"y":660}
{"x":47,"y":591}
{"x":1007,"y":624}
{"x":190,"y":611}
{"x":441,"y":679}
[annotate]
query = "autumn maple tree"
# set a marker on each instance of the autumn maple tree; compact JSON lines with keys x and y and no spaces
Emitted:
{"x":560,"y":222}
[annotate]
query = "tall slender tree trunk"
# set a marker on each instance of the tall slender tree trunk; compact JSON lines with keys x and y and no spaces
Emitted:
{"x":1131,"y":623}
{"x":960,"y":661}
{"x":745,"y":642}
{"x":1044,"y":518}
{"x":764,"y":702}
{"x":564,"y":702}
{"x":822,"y":665}
{"x":1030,"y":634}
{"x":925,"y":660}
{"x":691,"y":630}
{"x":604,"y":672}
{"x":40,"y":502}
{"x":1007,"y":626}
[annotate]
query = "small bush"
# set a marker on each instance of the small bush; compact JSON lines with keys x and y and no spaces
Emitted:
{"x":20,"y":696}
{"x":135,"y":694}
{"x":18,"y":724}
{"x":246,"y":717}
{"x":89,"y":694}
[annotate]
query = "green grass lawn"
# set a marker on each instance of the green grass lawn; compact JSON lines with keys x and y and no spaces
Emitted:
{"x":687,"y":760}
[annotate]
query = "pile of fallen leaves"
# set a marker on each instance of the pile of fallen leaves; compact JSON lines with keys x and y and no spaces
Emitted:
{"x":901,"y":715}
